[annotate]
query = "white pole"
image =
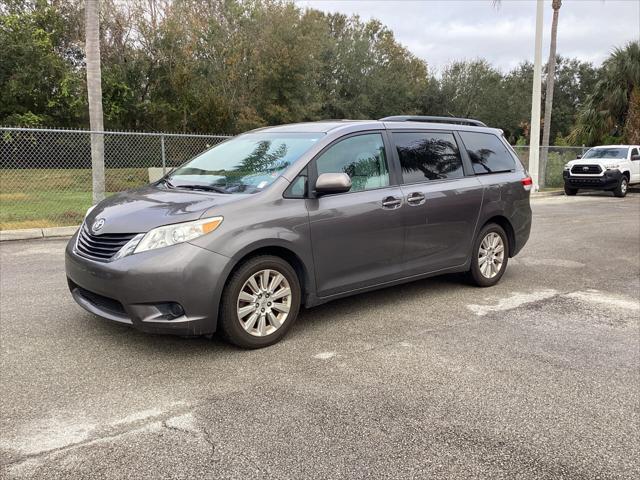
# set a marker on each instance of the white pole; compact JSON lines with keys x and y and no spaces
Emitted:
{"x":536,"y":100}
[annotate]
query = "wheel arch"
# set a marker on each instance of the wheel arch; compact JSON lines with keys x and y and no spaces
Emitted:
{"x":305,"y":276}
{"x":507,"y":227}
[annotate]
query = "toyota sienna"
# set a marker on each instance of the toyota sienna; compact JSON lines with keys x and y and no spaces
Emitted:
{"x":244,"y":234}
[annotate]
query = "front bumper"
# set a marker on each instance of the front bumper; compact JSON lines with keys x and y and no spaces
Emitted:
{"x":134,"y":289}
{"x":608,"y":181}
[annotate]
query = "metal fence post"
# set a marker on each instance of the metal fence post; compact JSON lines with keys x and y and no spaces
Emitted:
{"x":164,"y":160}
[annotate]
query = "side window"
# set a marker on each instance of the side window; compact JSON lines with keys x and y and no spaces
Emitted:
{"x":634,"y":152}
{"x":362,"y":158}
{"x":298,"y":188}
{"x":488,"y":154}
{"x":428,"y":156}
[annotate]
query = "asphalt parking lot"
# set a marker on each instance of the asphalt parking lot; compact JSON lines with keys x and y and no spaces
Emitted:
{"x":538,"y":377}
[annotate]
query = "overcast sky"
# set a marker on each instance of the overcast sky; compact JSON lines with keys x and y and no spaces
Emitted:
{"x":446,"y":30}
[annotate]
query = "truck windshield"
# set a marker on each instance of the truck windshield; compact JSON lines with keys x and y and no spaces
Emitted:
{"x":616,"y":152}
{"x":245,"y":164}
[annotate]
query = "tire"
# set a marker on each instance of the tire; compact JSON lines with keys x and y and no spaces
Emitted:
{"x":475,"y":274}
{"x":266,"y":328}
{"x":570,"y":191}
{"x":621,"y":190}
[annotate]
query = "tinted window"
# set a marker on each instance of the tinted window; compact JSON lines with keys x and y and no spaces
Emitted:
{"x":487,"y":153}
{"x":362,"y":158}
{"x":634,"y":152}
{"x":428,"y":156}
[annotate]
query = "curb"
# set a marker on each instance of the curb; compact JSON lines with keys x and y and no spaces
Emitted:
{"x":553,"y":193}
{"x":31,"y":233}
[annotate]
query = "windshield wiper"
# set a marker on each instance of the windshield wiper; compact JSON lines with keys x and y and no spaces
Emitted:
{"x":206,"y":188}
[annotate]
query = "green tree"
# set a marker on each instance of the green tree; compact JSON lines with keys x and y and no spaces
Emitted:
{"x":613,"y":109}
{"x":40,"y":78}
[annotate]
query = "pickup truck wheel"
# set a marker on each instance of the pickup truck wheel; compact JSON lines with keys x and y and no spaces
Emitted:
{"x":621,"y":189}
{"x":260,"y":302}
{"x":489,"y":257}
{"x":570,"y":191}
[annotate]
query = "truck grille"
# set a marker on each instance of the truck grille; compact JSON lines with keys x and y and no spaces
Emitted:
{"x":101,"y":247}
{"x":586,"y":170}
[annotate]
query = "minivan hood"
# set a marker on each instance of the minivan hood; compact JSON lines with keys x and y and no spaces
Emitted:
{"x":140,"y":210}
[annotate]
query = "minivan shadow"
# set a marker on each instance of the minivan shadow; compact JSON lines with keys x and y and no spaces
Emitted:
{"x":336,"y":311}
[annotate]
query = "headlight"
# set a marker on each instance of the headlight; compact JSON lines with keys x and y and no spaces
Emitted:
{"x":178,"y":233}
{"x":567,"y":166}
{"x":611,"y":166}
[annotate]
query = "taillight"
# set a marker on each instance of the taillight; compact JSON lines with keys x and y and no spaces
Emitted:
{"x":527,"y":183}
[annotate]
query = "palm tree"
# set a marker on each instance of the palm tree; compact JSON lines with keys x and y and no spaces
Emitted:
{"x":94,"y":91}
{"x":614,"y":106}
{"x":548,"y":103}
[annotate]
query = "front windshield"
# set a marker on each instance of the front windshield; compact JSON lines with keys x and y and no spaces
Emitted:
{"x":614,"y":152}
{"x":245,"y":164}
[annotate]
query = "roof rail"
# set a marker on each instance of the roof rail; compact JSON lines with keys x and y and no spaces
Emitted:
{"x":427,"y":118}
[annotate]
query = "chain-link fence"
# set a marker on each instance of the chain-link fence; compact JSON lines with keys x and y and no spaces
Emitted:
{"x":45,"y":175}
{"x":556,"y":159}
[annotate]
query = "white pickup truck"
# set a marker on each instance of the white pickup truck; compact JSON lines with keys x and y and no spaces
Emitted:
{"x":608,"y":167}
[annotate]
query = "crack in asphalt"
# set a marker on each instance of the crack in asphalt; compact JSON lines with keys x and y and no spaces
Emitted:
{"x":204,"y":434}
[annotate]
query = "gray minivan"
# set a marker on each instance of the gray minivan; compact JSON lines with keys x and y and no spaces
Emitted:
{"x":241,"y":236}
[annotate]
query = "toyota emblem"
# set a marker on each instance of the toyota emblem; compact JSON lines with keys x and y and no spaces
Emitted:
{"x":97,"y":225}
{"x":584,"y":169}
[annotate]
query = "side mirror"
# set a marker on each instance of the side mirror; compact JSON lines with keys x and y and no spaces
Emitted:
{"x":333,"y":183}
{"x":578,"y":157}
{"x":635,"y":157}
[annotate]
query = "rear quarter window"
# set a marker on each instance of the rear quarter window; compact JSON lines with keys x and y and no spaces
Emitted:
{"x":487,"y":153}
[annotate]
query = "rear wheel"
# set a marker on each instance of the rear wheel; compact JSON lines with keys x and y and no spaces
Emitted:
{"x":260,"y":302}
{"x":621,"y":189}
{"x":490,"y":256}
{"x":570,"y":191}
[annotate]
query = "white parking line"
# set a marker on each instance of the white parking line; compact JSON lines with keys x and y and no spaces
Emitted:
{"x":517,"y":299}
{"x":514,"y":301}
{"x":609,"y":300}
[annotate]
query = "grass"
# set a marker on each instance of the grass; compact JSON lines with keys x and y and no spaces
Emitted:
{"x":33,"y":198}
{"x":49,"y":197}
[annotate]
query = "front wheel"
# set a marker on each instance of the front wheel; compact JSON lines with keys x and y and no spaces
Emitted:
{"x":570,"y":191}
{"x":490,"y":256}
{"x":260,"y":302}
{"x":621,"y":189}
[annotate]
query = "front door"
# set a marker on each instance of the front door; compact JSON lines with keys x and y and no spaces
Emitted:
{"x":357,"y":237}
{"x":442,"y":204}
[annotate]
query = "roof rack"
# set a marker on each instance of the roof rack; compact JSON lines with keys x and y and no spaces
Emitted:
{"x":427,"y":118}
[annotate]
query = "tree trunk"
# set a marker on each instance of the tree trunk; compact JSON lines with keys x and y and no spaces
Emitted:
{"x":548,"y":102}
{"x":94,"y":93}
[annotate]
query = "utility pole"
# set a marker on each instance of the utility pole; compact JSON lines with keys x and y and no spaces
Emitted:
{"x":536,"y":100}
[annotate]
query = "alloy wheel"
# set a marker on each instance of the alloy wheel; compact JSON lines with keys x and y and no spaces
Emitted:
{"x":491,"y":255}
{"x":264,"y":302}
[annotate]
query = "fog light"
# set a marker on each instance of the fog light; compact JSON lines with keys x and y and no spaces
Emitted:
{"x":170,"y":310}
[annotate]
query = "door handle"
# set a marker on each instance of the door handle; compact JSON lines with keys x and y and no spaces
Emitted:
{"x":391,"y":203}
{"x":416,"y":198}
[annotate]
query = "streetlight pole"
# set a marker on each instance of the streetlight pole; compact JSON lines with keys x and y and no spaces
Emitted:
{"x":536,"y":100}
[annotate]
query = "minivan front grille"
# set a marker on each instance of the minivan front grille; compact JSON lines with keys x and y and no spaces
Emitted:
{"x":101,"y":247}
{"x":586,"y":170}
{"x":101,"y":302}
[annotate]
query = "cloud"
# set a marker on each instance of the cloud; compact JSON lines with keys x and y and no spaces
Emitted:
{"x":443,"y":31}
